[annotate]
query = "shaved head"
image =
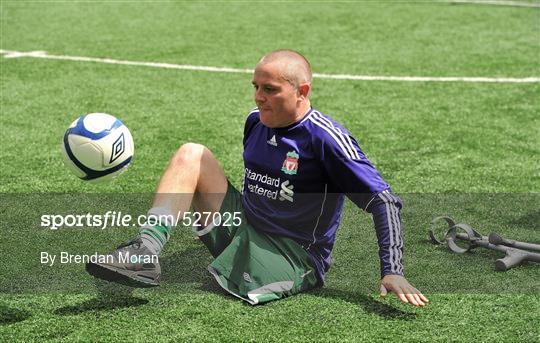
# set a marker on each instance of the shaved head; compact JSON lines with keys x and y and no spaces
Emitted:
{"x":282,"y":84}
{"x":293,"y":67}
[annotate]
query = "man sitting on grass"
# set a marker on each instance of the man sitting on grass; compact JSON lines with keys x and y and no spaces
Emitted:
{"x":273,"y":239}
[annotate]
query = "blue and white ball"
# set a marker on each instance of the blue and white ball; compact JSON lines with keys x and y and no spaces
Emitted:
{"x":97,"y":147}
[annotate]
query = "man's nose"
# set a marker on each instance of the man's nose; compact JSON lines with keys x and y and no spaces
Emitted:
{"x":259,"y":97}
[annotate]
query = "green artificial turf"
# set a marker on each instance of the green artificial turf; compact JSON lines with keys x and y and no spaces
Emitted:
{"x":468,"y":150}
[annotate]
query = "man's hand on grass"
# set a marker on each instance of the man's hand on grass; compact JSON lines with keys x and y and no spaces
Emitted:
{"x":403,"y":289}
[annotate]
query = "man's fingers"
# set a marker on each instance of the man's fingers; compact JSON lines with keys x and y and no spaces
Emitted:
{"x":419,"y":301}
{"x":397,"y":291}
{"x":414,"y":294}
{"x":424,"y":299}
{"x":412,"y":299}
{"x":403,"y":290}
{"x":420,"y":296}
{"x":383,"y":291}
{"x":401,"y":296}
{"x":410,"y":295}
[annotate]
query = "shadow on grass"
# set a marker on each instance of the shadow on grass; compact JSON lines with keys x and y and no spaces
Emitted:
{"x":368,"y":303}
{"x":10,"y":315}
{"x":111,"y":296}
{"x":188,"y":266}
{"x":100,"y":304}
{"x":528,"y":221}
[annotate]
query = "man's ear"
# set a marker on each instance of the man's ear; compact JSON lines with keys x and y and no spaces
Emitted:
{"x":304,"y":89}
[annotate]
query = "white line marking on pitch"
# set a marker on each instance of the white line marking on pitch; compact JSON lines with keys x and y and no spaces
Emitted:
{"x":496,"y":3}
{"x":43,"y":54}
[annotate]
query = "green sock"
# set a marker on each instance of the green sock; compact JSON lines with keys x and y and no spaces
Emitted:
{"x":158,"y":229}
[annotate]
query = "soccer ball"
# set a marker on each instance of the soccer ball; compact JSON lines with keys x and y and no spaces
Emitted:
{"x":97,"y":147}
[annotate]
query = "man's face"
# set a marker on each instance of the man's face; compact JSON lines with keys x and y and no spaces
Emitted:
{"x":275,"y":97}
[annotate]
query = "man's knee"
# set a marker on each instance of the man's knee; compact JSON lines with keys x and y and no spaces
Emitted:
{"x":189,"y":153}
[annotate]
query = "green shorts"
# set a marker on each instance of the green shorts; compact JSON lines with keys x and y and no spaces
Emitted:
{"x":252,"y":265}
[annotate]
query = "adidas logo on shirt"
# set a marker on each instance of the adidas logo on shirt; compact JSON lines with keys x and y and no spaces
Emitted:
{"x":272,"y":141}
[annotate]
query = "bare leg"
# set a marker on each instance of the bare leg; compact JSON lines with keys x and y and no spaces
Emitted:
{"x":193,"y":177}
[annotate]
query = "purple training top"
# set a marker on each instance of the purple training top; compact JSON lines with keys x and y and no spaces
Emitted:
{"x":295,"y":179}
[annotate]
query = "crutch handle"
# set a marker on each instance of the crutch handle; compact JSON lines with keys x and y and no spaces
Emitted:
{"x":512,"y":259}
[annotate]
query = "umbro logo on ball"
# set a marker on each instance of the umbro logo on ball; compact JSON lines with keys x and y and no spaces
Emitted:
{"x":117,"y":148}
